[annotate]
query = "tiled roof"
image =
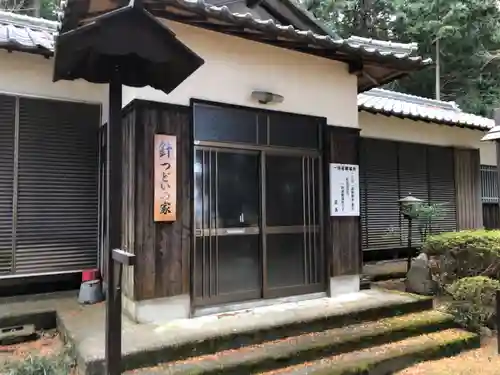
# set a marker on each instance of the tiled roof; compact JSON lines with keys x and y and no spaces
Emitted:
{"x":393,"y":103}
{"x":27,"y":34}
{"x":367,"y":48}
{"x":363,"y":46}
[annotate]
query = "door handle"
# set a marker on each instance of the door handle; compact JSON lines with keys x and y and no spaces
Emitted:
{"x":235,"y":231}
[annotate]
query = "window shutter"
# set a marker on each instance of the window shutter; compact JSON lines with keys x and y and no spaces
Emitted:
{"x":412,"y":179}
{"x":7,"y":145}
{"x":57,"y":198}
{"x":379,"y":204}
{"x":442,"y":187}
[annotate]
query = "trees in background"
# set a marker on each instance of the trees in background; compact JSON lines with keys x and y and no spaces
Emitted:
{"x":468,"y":31}
{"x":49,"y":9}
{"x":39,"y":8}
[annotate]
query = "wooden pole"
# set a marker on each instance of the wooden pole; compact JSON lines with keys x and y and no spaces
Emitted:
{"x":410,"y":252}
{"x":497,"y":144}
{"x":113,"y":241}
{"x":438,"y":57}
{"x":497,"y":149}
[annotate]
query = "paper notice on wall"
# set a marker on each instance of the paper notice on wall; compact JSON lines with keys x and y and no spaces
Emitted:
{"x":344,"y":189}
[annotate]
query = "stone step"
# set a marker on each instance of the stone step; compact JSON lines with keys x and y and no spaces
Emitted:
{"x":147,"y":345}
{"x":208,"y":335}
{"x":307,"y":347}
{"x":388,"y":358}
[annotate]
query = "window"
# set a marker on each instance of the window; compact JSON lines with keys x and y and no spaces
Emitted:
{"x":245,"y":126}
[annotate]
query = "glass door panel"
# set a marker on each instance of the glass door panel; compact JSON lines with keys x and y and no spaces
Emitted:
{"x":293,"y":252}
{"x":227,"y":211}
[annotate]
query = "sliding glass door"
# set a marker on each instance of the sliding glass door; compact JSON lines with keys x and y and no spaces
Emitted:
{"x":257,"y":219}
{"x":257,"y":205}
{"x":293,"y":256}
{"x":227,"y":212}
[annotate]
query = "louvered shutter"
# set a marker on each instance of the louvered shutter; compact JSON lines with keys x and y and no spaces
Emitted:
{"x":379,"y":206}
{"x":57,"y":205}
{"x":442,"y":187}
{"x":363,"y":195}
{"x":7,"y":136}
{"x":412,"y":179}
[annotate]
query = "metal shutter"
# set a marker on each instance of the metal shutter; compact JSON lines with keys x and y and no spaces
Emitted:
{"x":412,"y":179}
{"x":7,"y":136}
{"x":442,"y":187}
{"x":57,"y":205}
{"x":380,"y":188}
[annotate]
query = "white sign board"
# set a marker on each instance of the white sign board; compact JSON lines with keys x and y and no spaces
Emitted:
{"x":344,"y":190}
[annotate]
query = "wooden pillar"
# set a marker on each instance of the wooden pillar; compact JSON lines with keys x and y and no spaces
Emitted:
{"x":113,"y":212}
{"x":468,"y":189}
{"x":343,"y":245}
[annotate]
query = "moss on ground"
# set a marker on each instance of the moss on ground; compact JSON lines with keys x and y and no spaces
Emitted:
{"x":309,"y":347}
{"x":393,"y":357}
{"x":407,"y":294}
{"x":243,"y":339}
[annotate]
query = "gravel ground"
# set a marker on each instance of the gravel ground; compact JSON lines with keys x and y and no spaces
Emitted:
{"x":484,"y":361}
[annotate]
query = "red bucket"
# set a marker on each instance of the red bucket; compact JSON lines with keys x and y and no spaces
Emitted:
{"x":90,"y":275}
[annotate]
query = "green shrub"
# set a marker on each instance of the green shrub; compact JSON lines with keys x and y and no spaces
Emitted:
{"x":456,"y":255}
{"x":473,"y":301}
{"x":61,"y":364}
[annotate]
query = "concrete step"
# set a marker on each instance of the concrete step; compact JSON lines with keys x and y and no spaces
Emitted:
{"x":149,"y":344}
{"x":232,"y":331}
{"x":302,"y":348}
{"x":389,"y":358}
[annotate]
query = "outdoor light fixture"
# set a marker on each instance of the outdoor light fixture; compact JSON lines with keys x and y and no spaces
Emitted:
{"x":264,"y":97}
{"x":406,"y":206}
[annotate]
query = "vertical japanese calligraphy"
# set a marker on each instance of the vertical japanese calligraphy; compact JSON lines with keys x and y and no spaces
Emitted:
{"x":344,"y":190}
{"x":165,"y":178}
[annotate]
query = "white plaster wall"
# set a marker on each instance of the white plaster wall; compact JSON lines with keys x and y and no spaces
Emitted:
{"x":234,"y":67}
{"x":26,"y":74}
{"x":488,"y":153}
{"x":394,"y":128}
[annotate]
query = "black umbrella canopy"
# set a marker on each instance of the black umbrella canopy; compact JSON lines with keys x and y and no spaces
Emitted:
{"x":128,"y":43}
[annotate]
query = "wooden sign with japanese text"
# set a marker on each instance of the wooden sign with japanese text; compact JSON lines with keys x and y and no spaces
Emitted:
{"x":165,"y":185}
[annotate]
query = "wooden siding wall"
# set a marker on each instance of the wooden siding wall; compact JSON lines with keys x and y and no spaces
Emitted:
{"x":491,"y":216}
{"x":162,"y":249}
{"x":342,"y":242}
{"x":468,"y":189}
{"x":129,"y":122}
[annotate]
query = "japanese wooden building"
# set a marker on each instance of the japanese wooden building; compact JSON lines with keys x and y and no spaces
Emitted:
{"x":237,"y":208}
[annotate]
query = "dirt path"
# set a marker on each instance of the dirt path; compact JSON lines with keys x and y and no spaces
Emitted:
{"x":484,"y":361}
